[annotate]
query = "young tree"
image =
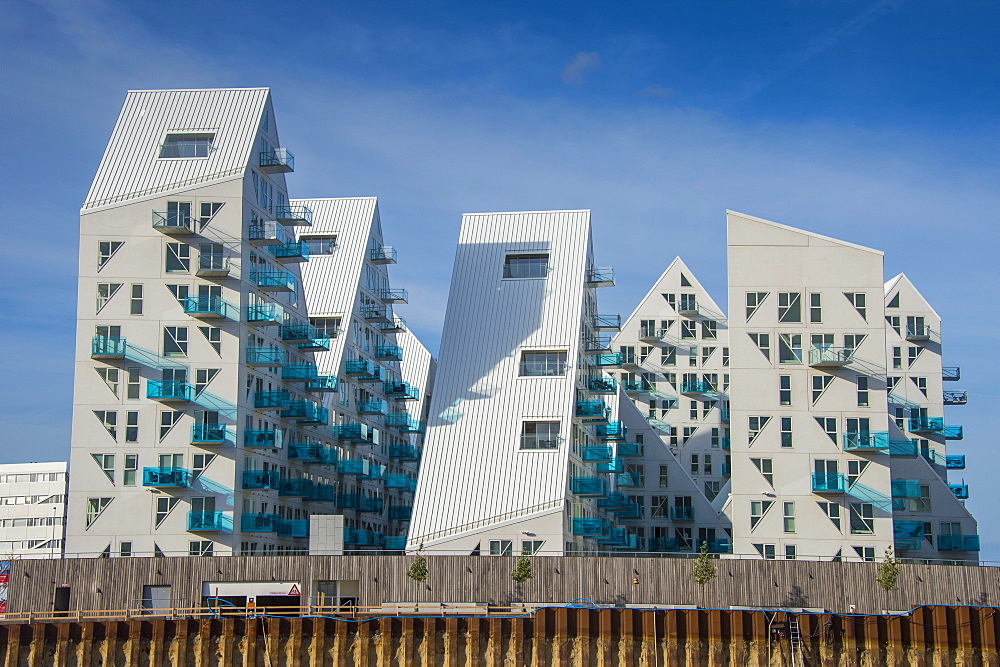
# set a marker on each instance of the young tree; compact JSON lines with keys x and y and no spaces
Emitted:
{"x":887,"y":574}
{"x":704,"y":567}
{"x":418,"y":568}
{"x":522,"y":570}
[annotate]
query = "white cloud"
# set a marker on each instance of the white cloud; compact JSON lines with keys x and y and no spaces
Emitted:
{"x":583,"y":63}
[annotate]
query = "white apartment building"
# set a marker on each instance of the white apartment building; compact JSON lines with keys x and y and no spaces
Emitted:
{"x":202,"y":423}
{"x":520,"y":397}
{"x":32,"y":510}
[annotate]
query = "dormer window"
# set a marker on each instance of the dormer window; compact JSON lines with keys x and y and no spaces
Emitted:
{"x":195,"y":144}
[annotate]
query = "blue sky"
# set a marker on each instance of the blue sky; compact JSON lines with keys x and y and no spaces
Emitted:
{"x":871,"y":121}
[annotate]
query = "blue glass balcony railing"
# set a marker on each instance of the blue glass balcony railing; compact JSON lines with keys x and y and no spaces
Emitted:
{"x":906,"y":531}
{"x":268,"y":355}
{"x":268,"y":439}
{"x":297,"y":332}
{"x":399,"y":481}
{"x":306,"y":412}
{"x":326,"y":383}
{"x":958,"y":542}
{"x":691,"y":387}
{"x":955,"y":397}
{"x":606,"y":360}
{"x":371,"y":407}
{"x":286,"y":253}
{"x":274,"y":280}
{"x":955,"y":461}
{"x":627,"y":479}
{"x":415,"y":426}
{"x":278,"y":399}
{"x":265,"y":313}
{"x":322,"y":493}
{"x":601,"y":385}
{"x":209,"y":434}
{"x":393,"y":296}
{"x":608,"y":323}
{"x":635,"y":386}
{"x":905,"y":488}
{"x":658,"y":424}
{"x":614,"y":465}
{"x":259,"y":523}
{"x":602,"y":276}
{"x":260,"y":479}
{"x":823,"y":356}
{"x":953,"y":432}
{"x":353,"y":466}
{"x":304,"y":451}
{"x":401,"y":391}
{"x":926,"y":424}
{"x":592,"y":410}
{"x":360,"y":502}
{"x":401,"y":512}
{"x":166,"y":477}
{"x":725,"y":441}
{"x":724,"y":413}
{"x":614,"y":502}
{"x":668,"y":544}
{"x":961,"y":491}
{"x":277,"y":161}
{"x":295,"y":487}
{"x":294,"y":215}
{"x":173,"y":222}
{"x":299,"y":372}
{"x":903,"y":448}
{"x":356,"y":367}
{"x":629,"y":449}
{"x":293,"y":528}
{"x":719,"y":546}
{"x":825,"y":482}
{"x":389,"y":352}
{"x":207,"y":305}
{"x":398,"y":420}
{"x":108,"y":347}
{"x":588,"y":485}
{"x":382,"y":255}
{"x":727,"y":469}
{"x":352,"y":431}
{"x":681,"y":513}
{"x":395,"y":542}
{"x":866,"y":441}
{"x":591,"y":527}
{"x":951,"y":373}
{"x":612,"y":431}
{"x":404,"y":452}
{"x":169,"y":390}
{"x":208,"y":521}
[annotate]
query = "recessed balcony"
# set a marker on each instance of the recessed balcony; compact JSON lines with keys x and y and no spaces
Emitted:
{"x":264,"y":314}
{"x":961,"y":491}
{"x":166,"y":477}
{"x":174,"y":223}
{"x":668,"y":544}
{"x":926,"y":425}
{"x":209,"y":434}
{"x":608,"y":323}
{"x":278,"y":161}
{"x":866,"y":441}
{"x":681,"y":513}
{"x":384,"y":254}
{"x":295,"y":487}
{"x":401,"y":391}
{"x":169,"y":391}
{"x":955,"y":461}
{"x":277,"y":399}
{"x":719,"y":546}
{"x":291,"y":253}
{"x":955,"y":397}
{"x":306,"y":412}
{"x":725,"y":441}
{"x":212,"y":265}
{"x":268,"y":233}
{"x":401,"y":512}
{"x":958,"y":542}
{"x":208,"y":522}
{"x":360,"y":502}
{"x":588,"y":485}
{"x":825,"y":482}
{"x":727,"y":469}
{"x":612,"y":360}
{"x":376,"y":313}
{"x":393,"y":296}
{"x":639,"y":386}
{"x":389,"y":352}
{"x":299,"y":372}
{"x":260,"y":479}
{"x":601,"y":385}
{"x":108,"y":347}
{"x":592,"y":411}
{"x":209,"y":307}
{"x":830,"y":357}
{"x":612,"y":431}
{"x":603,"y":276}
{"x":294,"y":216}
{"x":259,"y":523}
{"x":322,"y":383}
{"x":724,"y":413}
{"x":263,"y":438}
{"x":404,"y":452}
{"x":357,"y":537}
{"x":951,"y":373}
{"x":274,"y":280}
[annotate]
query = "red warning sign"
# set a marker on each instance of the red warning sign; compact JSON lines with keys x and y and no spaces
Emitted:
{"x":294,"y":590}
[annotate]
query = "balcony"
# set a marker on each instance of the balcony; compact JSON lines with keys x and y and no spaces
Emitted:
{"x":951,"y":373}
{"x":290,"y":253}
{"x":212,"y":265}
{"x":603,"y":276}
{"x":299,"y":372}
{"x":209,"y":434}
{"x":322,"y":493}
{"x":268,"y":233}
{"x":866,"y":441}
{"x":614,"y":502}
{"x":293,"y":528}
{"x":725,"y":442}
{"x":658,"y":424}
{"x":353,"y":466}
{"x":398,"y":481}
{"x":371,"y":408}
{"x":719,"y":546}
{"x":294,"y":216}
{"x":376,"y":313}
{"x":169,"y":391}
{"x":597,"y":453}
{"x":304,"y":451}
{"x":727,"y":469}
{"x":608,"y":323}
{"x":953,"y":433}
{"x":591,"y":527}
{"x":635,"y":386}
{"x":389,"y":352}
{"x":415,"y":426}
{"x":173,"y":222}
{"x":384,"y":254}
{"x":398,"y":325}
{"x":830,"y":357}
{"x":668,"y":544}
{"x":600,"y":344}
{"x":958,"y":542}
{"x":954,"y":397}
{"x":651,"y":334}
{"x":697,"y":388}
{"x":268,"y":355}
{"x":630,"y":449}
{"x":918,"y":332}
{"x":908,"y":535}
{"x":398,"y":420}
{"x":955,"y":461}
{"x":259,"y":523}
{"x":825,"y":482}
{"x":393,"y":296}
{"x":208,"y":522}
{"x":401,"y":512}
{"x":295,"y":487}
{"x":164,"y":477}
{"x":267,"y":439}
{"x":278,"y":161}
{"x":905,"y":488}
{"x":612,"y":360}
{"x":353,"y":432}
{"x":395,"y":542}
{"x":323,"y":383}
{"x":306,"y":412}
{"x":263,"y":314}
{"x":926,"y":424}
{"x":404,"y":452}
{"x":589,"y":485}
{"x":274,"y":280}
{"x":688,"y":307}
{"x":401,"y":391}
{"x":209,"y":307}
{"x":592,"y":411}
{"x":108,"y":347}
{"x":358,"y":367}
{"x":724,"y":413}
{"x":903,"y":448}
{"x":612,"y":431}
{"x":307,"y":336}
{"x":681,"y":513}
{"x":601,"y":385}
{"x":271,"y":400}
{"x":357,"y":537}
{"x":623,"y":479}
{"x":961,"y":491}
{"x":360,"y":502}
{"x":260,"y":479}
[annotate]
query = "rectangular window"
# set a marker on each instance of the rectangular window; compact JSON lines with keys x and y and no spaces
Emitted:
{"x":893,"y":321}
{"x":668,"y":356}
{"x":897,"y":357}
{"x":175,"y":341}
{"x":167,"y":420}
{"x":923,"y":503}
{"x":132,"y":426}
{"x":636,"y":471}
{"x":660,"y":506}
{"x":786,"y":431}
{"x":815,"y":308}
{"x":689,"y":303}
{"x":164,"y":504}
{"x":501,"y":547}
{"x":187,"y":144}
{"x":129,"y":472}
{"x":694,"y":464}
{"x":789,"y":552}
{"x":709,"y":329}
{"x":543,"y":363}
{"x":664,"y":481}
{"x":790,"y":348}
{"x":208,"y":211}
{"x":200,"y":548}
{"x":328,"y":325}
{"x":540,"y":435}
{"x":789,"y":307}
{"x":789,"y":517}
{"x":819,"y":385}
{"x":94,"y":508}
{"x":862,"y":518}
{"x":125,"y":549}
{"x":178,"y":258}
{"x":526,"y":266}
{"x":765,"y":550}
{"x":320,"y":245}
{"x":785,"y":389}
{"x":862,"y":391}
{"x":754,"y":299}
{"x":135,"y":303}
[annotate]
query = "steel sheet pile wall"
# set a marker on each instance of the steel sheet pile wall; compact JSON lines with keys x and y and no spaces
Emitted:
{"x":938,"y":635}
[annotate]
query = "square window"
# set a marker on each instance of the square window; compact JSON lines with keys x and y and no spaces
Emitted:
{"x":540,"y":435}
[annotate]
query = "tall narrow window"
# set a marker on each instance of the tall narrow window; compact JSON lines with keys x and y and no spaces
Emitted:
{"x":526,"y":266}
{"x":664,"y":477}
{"x":789,"y":307}
{"x":815,"y":308}
{"x":129,"y":471}
{"x":785,"y":389}
{"x":132,"y":426}
{"x":763,"y":343}
{"x":786,"y":431}
{"x":725,"y":356}
{"x":859,"y":301}
{"x":104,"y":293}
{"x":863,"y":391}
{"x":132,"y":385}
{"x":789,"y":517}
{"x":897,"y":357}
{"x":754,"y":299}
{"x":106,"y":250}
{"x":135,"y":303}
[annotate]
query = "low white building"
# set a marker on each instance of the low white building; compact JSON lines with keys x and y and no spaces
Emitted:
{"x":32,"y":510}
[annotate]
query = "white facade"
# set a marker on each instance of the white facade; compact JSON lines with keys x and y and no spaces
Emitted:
{"x":32,"y":510}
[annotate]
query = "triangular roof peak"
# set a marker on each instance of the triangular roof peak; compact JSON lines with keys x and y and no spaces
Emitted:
{"x":788,"y":228}
{"x":902,"y":281}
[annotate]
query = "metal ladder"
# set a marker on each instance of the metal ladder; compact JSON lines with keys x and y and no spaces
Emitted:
{"x":795,"y":641}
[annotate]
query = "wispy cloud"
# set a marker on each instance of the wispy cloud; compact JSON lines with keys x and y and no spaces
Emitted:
{"x":583,"y":63}
{"x":655,"y":90}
